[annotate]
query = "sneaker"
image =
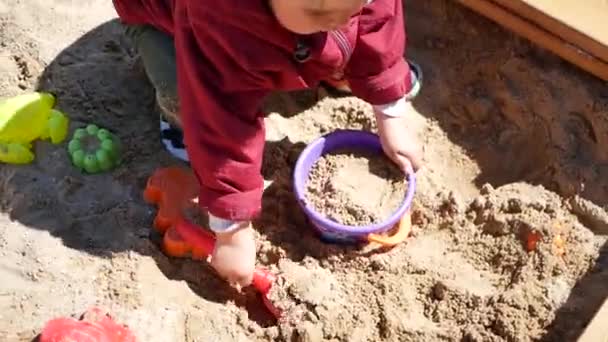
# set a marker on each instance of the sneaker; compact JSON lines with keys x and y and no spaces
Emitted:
{"x":416,"y":74}
{"x":170,"y":132}
{"x":173,"y":139}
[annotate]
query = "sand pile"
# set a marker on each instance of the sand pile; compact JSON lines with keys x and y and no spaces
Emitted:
{"x":355,"y":188}
{"x":473,"y":279}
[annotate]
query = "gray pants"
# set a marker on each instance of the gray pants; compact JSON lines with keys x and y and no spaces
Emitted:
{"x":157,"y":52}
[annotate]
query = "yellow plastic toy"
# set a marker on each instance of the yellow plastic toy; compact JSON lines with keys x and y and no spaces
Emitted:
{"x":25,"y":118}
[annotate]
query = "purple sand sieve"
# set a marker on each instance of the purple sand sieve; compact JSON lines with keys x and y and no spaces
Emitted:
{"x":334,"y":141}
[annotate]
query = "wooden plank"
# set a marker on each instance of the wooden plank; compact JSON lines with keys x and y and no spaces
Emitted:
{"x":539,"y":36}
{"x":597,"y":330}
{"x":584,"y":25}
{"x":589,"y":16}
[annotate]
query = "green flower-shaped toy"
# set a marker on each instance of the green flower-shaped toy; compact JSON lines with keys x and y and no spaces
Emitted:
{"x":94,"y":149}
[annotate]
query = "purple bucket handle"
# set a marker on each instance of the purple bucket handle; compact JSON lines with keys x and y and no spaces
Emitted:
{"x":336,"y":140}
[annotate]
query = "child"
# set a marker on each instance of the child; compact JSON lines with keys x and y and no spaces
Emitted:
{"x":220,"y":59}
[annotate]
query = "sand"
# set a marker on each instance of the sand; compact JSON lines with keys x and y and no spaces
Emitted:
{"x":355,"y":188}
{"x":514,"y":147}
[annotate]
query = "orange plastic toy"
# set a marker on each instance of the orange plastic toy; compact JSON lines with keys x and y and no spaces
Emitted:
{"x":173,"y":190}
{"x":532,"y":240}
{"x":94,"y":326}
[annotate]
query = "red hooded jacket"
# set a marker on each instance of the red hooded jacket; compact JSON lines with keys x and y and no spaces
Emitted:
{"x":232,"y":53}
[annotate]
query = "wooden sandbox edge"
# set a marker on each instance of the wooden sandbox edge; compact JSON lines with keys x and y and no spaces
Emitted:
{"x":566,"y":50}
{"x":562,"y":29}
{"x":597,"y":330}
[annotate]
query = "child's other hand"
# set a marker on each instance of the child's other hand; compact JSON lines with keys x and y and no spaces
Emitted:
{"x":399,"y":141}
{"x":234,"y":255}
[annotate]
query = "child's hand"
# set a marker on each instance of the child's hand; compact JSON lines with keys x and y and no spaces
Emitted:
{"x":399,"y":141}
{"x":234,"y":255}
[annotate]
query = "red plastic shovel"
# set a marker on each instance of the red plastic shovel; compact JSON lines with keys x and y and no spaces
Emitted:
{"x":172,"y":190}
{"x":204,"y":242}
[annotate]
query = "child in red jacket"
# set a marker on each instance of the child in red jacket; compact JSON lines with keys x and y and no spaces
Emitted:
{"x":213,"y":62}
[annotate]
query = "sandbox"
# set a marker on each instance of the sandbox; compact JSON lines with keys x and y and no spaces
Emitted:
{"x":509,"y":220}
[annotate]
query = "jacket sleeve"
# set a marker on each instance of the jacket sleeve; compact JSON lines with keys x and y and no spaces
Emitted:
{"x":223,"y":127}
{"x":377,"y":71}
